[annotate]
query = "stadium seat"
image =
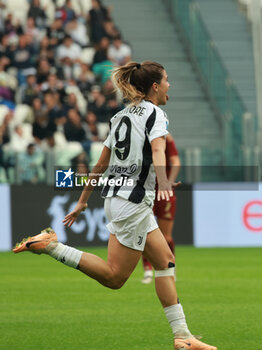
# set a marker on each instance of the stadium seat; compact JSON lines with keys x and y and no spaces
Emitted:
{"x":80,"y":98}
{"x":3,"y":111}
{"x":85,"y":5}
{"x":66,"y":150}
{"x":96,"y":149}
{"x":60,"y":3}
{"x":23,"y":113}
{"x":27,"y":132}
{"x":87,"y":55}
{"x":103,"y":129}
{"x":49,"y":7}
{"x":18,"y":9}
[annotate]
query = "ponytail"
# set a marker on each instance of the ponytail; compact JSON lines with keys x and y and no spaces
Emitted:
{"x":134,"y":80}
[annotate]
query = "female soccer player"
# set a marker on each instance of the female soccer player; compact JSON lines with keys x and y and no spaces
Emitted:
{"x":165,"y":210}
{"x":133,"y":150}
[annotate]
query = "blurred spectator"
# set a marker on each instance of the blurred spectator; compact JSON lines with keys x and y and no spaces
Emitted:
{"x":92,"y":125}
{"x":102,"y":66}
{"x":4,"y":45}
{"x":10,"y":27}
{"x":85,"y":78}
{"x":68,"y":12}
{"x":81,"y":101}
{"x":72,"y":103}
{"x":46,"y":51}
{"x":37,"y":106}
{"x":119,"y":52}
{"x":31,"y":30}
{"x":101,"y":54}
{"x":113,"y":104}
{"x":18,"y":142}
{"x":37,"y":13}
{"x":53,"y":84}
{"x":11,"y":42}
{"x":96,"y":18}
{"x":109,"y":90}
{"x":75,"y":130}
{"x":7,"y":82}
{"x":30,"y":165}
{"x":78,"y":33}
{"x":30,"y":89}
{"x":98,"y":105}
{"x":56,"y":32}
{"x":113,"y":107}
{"x":80,"y":164}
{"x":4,"y":128}
{"x":68,"y":54}
{"x":2,"y":7}
{"x":23,"y":58}
{"x":4,"y":139}
{"x":54,"y":109}
{"x":111,"y":30}
{"x":41,"y":127}
{"x":43,"y":70}
{"x":69,"y":50}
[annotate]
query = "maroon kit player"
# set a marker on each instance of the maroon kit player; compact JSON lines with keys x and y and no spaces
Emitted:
{"x":165,"y":210}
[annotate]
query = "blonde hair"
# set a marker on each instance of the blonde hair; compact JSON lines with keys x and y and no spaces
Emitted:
{"x":135,"y":80}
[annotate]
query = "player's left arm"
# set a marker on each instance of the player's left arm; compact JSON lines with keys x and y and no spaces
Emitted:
{"x":99,"y":169}
{"x":174,"y":162}
{"x":159,"y":160}
{"x":173,"y":159}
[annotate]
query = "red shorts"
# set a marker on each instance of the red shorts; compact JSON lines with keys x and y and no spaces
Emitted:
{"x":165,"y":209}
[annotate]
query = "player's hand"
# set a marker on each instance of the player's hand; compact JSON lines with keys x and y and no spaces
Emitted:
{"x":71,"y":217}
{"x":165,"y":190}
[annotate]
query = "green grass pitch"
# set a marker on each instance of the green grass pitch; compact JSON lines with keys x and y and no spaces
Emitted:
{"x":45,"y":305}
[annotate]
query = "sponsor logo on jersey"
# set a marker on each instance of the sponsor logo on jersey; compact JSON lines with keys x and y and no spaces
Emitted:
{"x":115,"y":169}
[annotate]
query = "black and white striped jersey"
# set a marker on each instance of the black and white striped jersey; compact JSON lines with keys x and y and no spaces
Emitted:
{"x":131,"y":169}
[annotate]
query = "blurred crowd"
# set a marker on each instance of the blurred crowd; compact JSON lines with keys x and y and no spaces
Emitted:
{"x":56,"y":95}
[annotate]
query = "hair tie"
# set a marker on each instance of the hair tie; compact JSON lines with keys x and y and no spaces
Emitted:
{"x":138,"y":65}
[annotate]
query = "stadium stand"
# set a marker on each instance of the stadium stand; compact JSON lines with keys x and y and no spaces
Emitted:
{"x":54,"y":87}
{"x":191,"y":118}
{"x":55,"y":61}
{"x":219,"y":80}
{"x":236,"y":49}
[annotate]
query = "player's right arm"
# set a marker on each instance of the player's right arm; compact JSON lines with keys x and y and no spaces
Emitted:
{"x":97,"y":171}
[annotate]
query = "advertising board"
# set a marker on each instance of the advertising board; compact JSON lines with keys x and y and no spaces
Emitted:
{"x":227,"y":217}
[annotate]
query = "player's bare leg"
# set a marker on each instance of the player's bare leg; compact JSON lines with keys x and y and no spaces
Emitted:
{"x":160,"y":256}
{"x":163,"y":261}
{"x":119,"y":266}
{"x":112,"y":273}
{"x":166,"y":227}
{"x":148,"y":271}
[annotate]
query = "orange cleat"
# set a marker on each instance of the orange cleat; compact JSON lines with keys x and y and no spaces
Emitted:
{"x":191,"y":344}
{"x":37,"y":244}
